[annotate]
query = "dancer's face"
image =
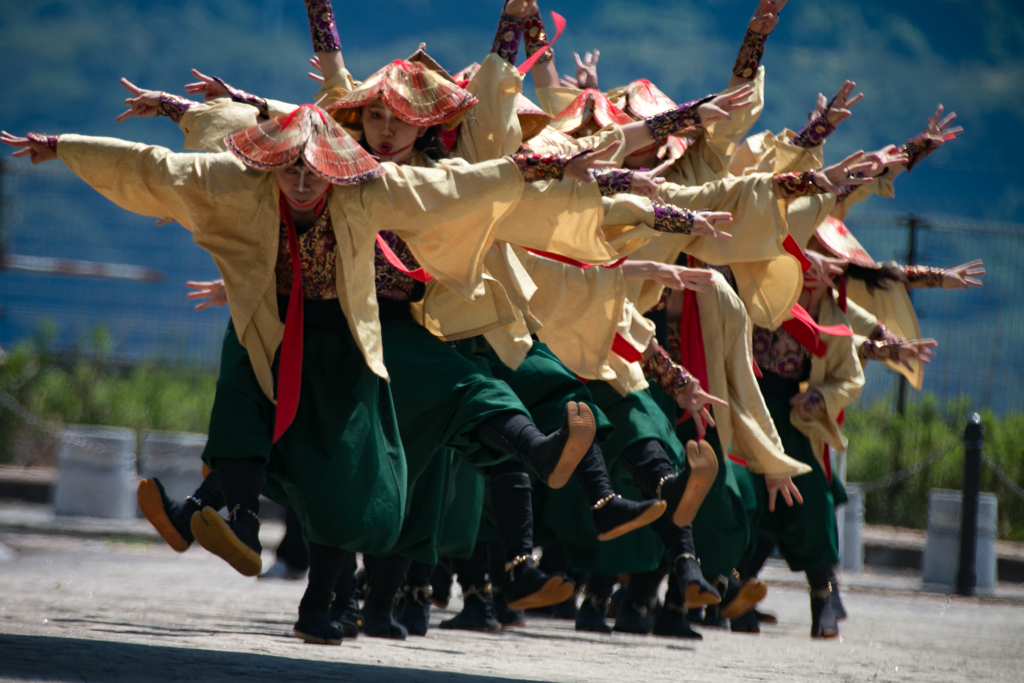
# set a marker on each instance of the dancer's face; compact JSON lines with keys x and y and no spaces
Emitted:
{"x":389,"y":137}
{"x":301,"y":185}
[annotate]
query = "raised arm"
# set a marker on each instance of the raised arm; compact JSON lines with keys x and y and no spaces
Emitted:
{"x":764,"y":21}
{"x":326,"y":42}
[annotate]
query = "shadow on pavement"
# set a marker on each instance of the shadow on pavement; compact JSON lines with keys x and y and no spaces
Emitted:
{"x":44,"y":658}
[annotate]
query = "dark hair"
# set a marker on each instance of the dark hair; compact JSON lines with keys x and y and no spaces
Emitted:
{"x":876,"y":278}
{"x":431,"y":145}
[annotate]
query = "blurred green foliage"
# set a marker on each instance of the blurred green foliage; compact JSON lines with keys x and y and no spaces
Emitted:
{"x":883,"y":442}
{"x":80,"y":386}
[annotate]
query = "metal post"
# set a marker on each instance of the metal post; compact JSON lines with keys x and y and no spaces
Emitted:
{"x":974,"y":435}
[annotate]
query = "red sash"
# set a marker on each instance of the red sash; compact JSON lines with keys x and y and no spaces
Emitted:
{"x":289,"y":369}
{"x":419,"y":274}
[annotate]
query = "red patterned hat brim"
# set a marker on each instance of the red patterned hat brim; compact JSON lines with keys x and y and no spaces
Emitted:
{"x":644,"y":99}
{"x":413,"y":92}
{"x":590,"y":104}
{"x":837,"y":238}
{"x":311,"y":134}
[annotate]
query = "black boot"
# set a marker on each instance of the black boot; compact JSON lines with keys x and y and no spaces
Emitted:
{"x":837,"y":602}
{"x":345,"y":608}
{"x":745,"y":623}
{"x":713,"y":618}
{"x":554,"y":456}
{"x":414,"y":599}
{"x":766,"y":618}
{"x":613,"y":515}
{"x":823,"y":619}
{"x":477,"y":599}
{"x":386,"y":577}
{"x":477,"y":611}
{"x":170,"y":518}
{"x":315,"y":624}
{"x":593,"y":611}
{"x":292,"y":554}
{"x":507,"y":617}
{"x":441,"y":582}
{"x":237,"y":540}
{"x":738,"y":596}
{"x":683,"y":493}
{"x":523,"y":585}
{"x":567,"y":610}
{"x":697,"y":592}
{"x":637,"y":612}
{"x":615,"y":603}
{"x":672,"y":620}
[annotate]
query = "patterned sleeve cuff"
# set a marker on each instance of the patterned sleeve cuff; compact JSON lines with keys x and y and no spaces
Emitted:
{"x":921,"y":277}
{"x":676,"y":120}
{"x":536,"y":38}
{"x":792,"y":185}
{"x":48,"y":140}
{"x":670,"y":376}
{"x":815,"y":403}
{"x":173,"y":106}
{"x":506,"y":40}
{"x":612,"y":181}
{"x":536,"y":167}
{"x":814,"y":133}
{"x":668,"y":218}
{"x":322,"y":26}
{"x":245,"y":98}
{"x":880,"y":350}
{"x":749,"y":58}
{"x":917,"y":149}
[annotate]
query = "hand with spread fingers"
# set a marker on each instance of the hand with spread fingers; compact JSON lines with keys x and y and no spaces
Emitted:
{"x":37,"y":148}
{"x":846,"y":172}
{"x":694,"y":399}
{"x":889,"y":157}
{"x":579,"y":167}
{"x":143,"y":103}
{"x":206,"y":86}
{"x":786,"y":487}
{"x":718,"y":109}
{"x":766,"y":16}
{"x":704,"y":224}
{"x":667,"y":275}
{"x":837,"y":109}
{"x":964,"y":276}
{"x":823,"y":268}
{"x":645,"y":183}
{"x":213,"y":291}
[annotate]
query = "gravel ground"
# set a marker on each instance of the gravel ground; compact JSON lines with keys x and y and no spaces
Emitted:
{"x":76,"y":608}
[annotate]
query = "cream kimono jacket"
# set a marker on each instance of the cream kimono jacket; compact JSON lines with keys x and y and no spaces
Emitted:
{"x":838,"y":377}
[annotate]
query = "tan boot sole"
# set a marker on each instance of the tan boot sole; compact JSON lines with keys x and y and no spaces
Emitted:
{"x":214,"y":534}
{"x":694,"y":597}
{"x":554,"y":592}
{"x":582,"y":430}
{"x":651,"y":514}
{"x":152,"y":506}
{"x":314,"y":640}
{"x":751,"y":593}
{"x":703,"y":470}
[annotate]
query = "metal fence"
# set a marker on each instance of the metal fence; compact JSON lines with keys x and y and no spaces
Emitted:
{"x":981,"y":331}
{"x":48,"y":212}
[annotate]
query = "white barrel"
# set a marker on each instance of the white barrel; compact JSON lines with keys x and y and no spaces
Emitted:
{"x":97,"y":484}
{"x":853,"y":530}
{"x":175,"y":458}
{"x":942,"y":540}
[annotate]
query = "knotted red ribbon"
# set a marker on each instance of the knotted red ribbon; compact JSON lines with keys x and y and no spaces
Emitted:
{"x":559,"y":27}
{"x":289,"y":368}
{"x":808,"y":332}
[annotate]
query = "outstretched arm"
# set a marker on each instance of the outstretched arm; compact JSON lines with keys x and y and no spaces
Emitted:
{"x":326,"y":42}
{"x":544,"y":71}
{"x":764,"y":21}
{"x":826,"y":116}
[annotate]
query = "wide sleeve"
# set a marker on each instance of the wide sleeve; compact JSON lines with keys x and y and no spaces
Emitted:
{"x":491,"y":128}
{"x":767,"y":152}
{"x":153,"y":181}
{"x":838,"y":377}
{"x":862,"y":322}
{"x":206,"y":125}
{"x":558,"y":143}
{"x":753,"y":434}
{"x":330,"y":91}
{"x":553,"y":100}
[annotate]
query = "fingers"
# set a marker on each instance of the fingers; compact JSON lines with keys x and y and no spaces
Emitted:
{"x":125,"y":116}
{"x":786,"y":495}
{"x":201,"y":76}
{"x":662,"y":167}
{"x":316,"y":77}
{"x":708,"y":398}
{"x":851,"y":159}
{"x":772,"y":493}
{"x":597,"y":56}
{"x":131,"y":87}
{"x":706,"y":414}
{"x":701,"y":432}
{"x":579,"y":62}
{"x":12,"y":140}
{"x":607,"y":151}
{"x":796,"y":492}
{"x":857,"y":98}
{"x":204,"y":305}
{"x":27,"y":151}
